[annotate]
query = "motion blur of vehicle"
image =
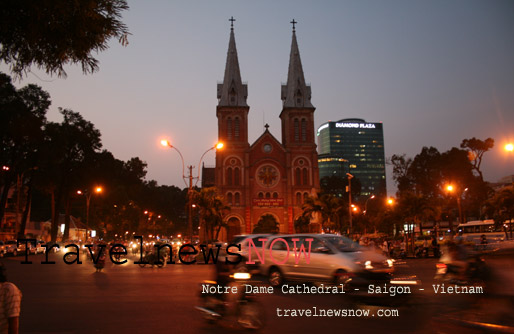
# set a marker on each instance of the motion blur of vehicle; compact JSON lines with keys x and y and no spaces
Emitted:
{"x":333,"y":259}
{"x":459,"y":264}
{"x":244,"y":241}
{"x":239,"y":307}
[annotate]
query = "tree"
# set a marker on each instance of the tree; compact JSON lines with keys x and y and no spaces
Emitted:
{"x":266,"y":224}
{"x":329,"y":207}
{"x":500,"y":207}
{"x":69,"y":150}
{"x":22,"y":116}
{"x":476,"y":149}
{"x":212,"y":210}
{"x":51,"y":34}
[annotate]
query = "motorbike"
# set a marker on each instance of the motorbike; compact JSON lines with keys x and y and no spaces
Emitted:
{"x":474,"y":270}
{"x":241,"y":307}
{"x":150,"y":259}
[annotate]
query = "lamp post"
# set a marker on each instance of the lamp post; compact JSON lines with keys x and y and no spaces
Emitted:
{"x":190,"y":185}
{"x":88,"y":194}
{"x":350,"y":177}
{"x":366,"y":203}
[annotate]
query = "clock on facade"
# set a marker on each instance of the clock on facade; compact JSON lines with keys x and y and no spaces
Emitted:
{"x":268,"y":176}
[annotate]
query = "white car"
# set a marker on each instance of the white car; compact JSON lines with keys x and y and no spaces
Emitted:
{"x":333,"y":259}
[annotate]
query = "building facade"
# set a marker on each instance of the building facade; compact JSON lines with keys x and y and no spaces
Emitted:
{"x":268,"y":176}
{"x":357,"y":147}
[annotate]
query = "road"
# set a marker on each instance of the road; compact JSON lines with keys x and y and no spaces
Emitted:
{"x":61,"y":298}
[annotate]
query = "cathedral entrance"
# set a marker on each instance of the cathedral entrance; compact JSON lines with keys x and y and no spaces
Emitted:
{"x":267,"y":224}
{"x":233,"y":228}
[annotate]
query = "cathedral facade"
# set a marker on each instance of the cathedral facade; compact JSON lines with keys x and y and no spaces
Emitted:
{"x":267,"y":177}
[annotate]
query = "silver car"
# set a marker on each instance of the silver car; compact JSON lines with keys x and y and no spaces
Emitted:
{"x":333,"y":259}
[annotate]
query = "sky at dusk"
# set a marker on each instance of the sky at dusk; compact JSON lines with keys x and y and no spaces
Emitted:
{"x":434,"y":72}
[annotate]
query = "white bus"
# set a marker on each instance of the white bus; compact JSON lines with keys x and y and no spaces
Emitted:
{"x":473,"y":231}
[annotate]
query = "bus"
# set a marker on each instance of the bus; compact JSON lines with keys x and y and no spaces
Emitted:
{"x":472,"y":231}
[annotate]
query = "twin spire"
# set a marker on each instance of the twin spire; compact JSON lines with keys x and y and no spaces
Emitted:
{"x":232,"y":92}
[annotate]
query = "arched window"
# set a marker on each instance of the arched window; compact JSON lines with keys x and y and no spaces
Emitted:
{"x":261,"y":195}
{"x":304,"y":129}
{"x":305,"y":177}
{"x":298,"y":199}
{"x":236,"y":176}
{"x":268,"y":195}
{"x":296,"y":130}
{"x":298,"y":177}
{"x":237,"y":199}
{"x":305,"y":195}
{"x":236,"y":128}
{"x":229,"y":198}
{"x":275,"y":195}
{"x":229,"y":128}
{"x":229,"y":176}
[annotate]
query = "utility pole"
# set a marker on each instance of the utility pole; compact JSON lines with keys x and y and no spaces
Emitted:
{"x":190,"y":204}
{"x":350,"y":177}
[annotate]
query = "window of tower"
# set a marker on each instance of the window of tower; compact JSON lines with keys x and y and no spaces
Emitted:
{"x":229,"y":176}
{"x":237,"y":199}
{"x":236,"y":127}
{"x":304,"y":129}
{"x":236,"y":176}
{"x":229,"y":128}
{"x":305,"y":176}
{"x":298,"y":177}
{"x":229,"y":198}
{"x":296,"y":130}
{"x":298,"y":199}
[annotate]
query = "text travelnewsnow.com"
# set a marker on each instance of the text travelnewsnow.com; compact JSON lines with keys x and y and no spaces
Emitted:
{"x":322,"y":312}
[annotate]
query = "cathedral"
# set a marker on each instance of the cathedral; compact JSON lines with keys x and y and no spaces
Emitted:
{"x":268,"y":176}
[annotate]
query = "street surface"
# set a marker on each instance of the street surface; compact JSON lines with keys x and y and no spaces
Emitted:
{"x":60,"y":298}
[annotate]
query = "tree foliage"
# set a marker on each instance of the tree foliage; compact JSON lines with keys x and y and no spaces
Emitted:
{"x":266,"y":224}
{"x":51,"y":34}
{"x":476,"y":149}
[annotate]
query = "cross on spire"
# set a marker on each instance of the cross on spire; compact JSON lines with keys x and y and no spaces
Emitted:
{"x":266,"y":126}
{"x":231,"y":19}
{"x":293,"y":23}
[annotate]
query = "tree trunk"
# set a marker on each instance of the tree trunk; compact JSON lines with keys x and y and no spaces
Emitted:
{"x":25,"y":217}
{"x":5,"y":194}
{"x":66,"y":234}
{"x":53,"y":229}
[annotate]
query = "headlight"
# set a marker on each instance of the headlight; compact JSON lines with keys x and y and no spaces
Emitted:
{"x":368,"y":265}
{"x":390,"y":262}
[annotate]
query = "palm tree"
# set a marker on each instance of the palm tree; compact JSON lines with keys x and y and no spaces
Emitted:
{"x":329,"y":207}
{"x":211,"y":209}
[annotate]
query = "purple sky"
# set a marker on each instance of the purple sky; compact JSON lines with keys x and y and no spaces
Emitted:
{"x":434,"y":72}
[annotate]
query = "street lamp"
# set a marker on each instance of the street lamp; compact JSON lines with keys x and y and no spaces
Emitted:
{"x":88,"y":194}
{"x":509,"y":147}
{"x":366,"y":204}
{"x":450,"y":189}
{"x":350,"y":177}
{"x":166,"y":143}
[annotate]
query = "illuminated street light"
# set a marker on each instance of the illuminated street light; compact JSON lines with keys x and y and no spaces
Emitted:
{"x":509,"y":147}
{"x":88,"y":194}
{"x":390,"y":201}
{"x":366,"y":204}
{"x":166,"y":143}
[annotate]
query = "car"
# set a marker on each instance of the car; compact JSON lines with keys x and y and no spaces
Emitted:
{"x":39,"y":247}
{"x":12,"y":247}
{"x":333,"y":259}
{"x":2,"y":248}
